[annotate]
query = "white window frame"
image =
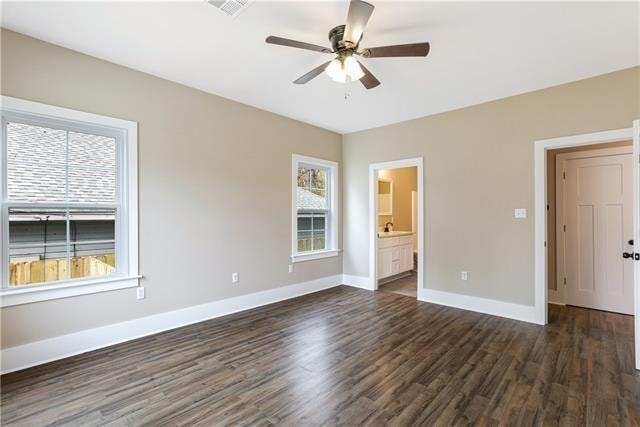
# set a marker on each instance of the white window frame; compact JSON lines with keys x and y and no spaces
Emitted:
{"x":126,"y":228}
{"x":331,"y":223}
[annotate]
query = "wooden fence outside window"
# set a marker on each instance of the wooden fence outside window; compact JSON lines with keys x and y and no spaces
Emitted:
{"x":29,"y":272}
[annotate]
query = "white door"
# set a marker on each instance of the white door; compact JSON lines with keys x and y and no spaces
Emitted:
{"x":598,"y":213}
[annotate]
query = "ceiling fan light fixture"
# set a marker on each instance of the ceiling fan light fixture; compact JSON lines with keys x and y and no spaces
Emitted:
{"x":352,"y":68}
{"x":341,"y":68}
{"x":335,"y":70}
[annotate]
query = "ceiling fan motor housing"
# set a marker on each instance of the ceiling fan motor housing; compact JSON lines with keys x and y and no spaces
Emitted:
{"x":336,"y":38}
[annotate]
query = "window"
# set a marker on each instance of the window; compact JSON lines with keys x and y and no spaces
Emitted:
{"x":68,"y":208}
{"x":315,"y":219}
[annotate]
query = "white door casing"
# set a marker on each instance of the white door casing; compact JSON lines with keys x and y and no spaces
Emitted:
{"x":597,"y":213}
{"x":636,"y":233}
{"x":414,"y":219}
{"x":374,"y":168}
{"x":540,"y":221}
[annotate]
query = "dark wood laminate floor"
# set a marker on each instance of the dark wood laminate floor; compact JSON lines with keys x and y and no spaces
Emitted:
{"x":346,"y":356}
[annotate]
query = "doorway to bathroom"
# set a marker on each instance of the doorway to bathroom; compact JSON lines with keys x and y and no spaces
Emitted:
{"x":397,"y":228}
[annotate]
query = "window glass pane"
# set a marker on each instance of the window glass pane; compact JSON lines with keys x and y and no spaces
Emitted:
{"x":311,"y":232}
{"x":36,"y":163}
{"x":304,"y":245}
{"x":305,"y":233}
{"x":92,"y":242}
{"x":318,"y":221}
{"x":312,"y":189}
{"x":304,"y":178}
{"x":319,"y":242}
{"x":37,"y":246}
{"x":319,"y":233}
{"x":92,"y":168}
{"x":90,"y":225}
{"x":304,"y":222}
{"x":319,"y":179}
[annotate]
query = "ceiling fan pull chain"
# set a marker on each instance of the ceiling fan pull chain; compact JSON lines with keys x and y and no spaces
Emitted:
{"x":347,"y":88}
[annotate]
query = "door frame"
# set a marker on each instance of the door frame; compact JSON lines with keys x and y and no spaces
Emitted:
{"x":374,"y":168}
{"x":540,"y":148}
{"x":560,"y":295}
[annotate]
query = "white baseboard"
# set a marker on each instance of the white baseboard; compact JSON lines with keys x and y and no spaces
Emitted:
{"x":525,"y":313}
{"x":39,"y":352}
{"x":357,"y":282}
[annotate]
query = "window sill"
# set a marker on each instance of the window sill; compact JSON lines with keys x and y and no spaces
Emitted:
{"x":314,"y":255}
{"x":30,"y":294}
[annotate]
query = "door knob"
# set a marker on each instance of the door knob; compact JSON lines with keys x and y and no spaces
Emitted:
{"x":630,"y":242}
{"x":632,"y":255}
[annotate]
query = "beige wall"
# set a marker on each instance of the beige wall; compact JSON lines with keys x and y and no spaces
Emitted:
{"x":478,"y":167}
{"x":214,"y":188}
{"x":204,"y":213}
{"x":551,"y":202}
{"x":404,"y":181}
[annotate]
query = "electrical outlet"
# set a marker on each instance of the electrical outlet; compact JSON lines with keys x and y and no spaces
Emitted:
{"x":235,"y":278}
{"x":140,"y":292}
{"x":464,"y":275}
{"x":520,"y":213}
{"x":290,"y":268}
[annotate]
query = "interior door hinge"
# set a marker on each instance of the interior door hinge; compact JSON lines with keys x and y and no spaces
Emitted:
{"x":564,"y":175}
{"x":564,"y":228}
{"x":565,"y":280}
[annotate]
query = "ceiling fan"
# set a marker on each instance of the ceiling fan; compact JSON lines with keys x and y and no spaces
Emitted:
{"x":345,"y":41}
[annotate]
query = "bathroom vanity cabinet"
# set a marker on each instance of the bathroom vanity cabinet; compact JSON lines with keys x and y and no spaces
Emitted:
{"x":395,"y":253}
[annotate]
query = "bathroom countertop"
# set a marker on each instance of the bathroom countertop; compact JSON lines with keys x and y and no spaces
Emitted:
{"x":382,"y":234}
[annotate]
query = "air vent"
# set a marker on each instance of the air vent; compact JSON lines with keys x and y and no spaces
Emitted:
{"x":231,"y":8}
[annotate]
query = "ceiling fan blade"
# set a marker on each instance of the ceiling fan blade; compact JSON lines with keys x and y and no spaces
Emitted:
{"x":311,"y":74}
{"x":368,"y":80}
{"x":413,"y":49}
{"x":357,"y":18}
{"x":294,"y":43}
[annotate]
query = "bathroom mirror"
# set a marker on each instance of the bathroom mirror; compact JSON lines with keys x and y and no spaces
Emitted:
{"x":385,"y":197}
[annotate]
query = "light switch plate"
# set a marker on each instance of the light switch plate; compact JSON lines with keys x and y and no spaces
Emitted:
{"x":464,"y":275}
{"x":290,"y":268}
{"x":235,"y":278}
{"x":140,"y":292}
{"x":520,"y":213}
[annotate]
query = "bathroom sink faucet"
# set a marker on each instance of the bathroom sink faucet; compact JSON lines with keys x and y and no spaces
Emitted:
{"x":386,"y":227}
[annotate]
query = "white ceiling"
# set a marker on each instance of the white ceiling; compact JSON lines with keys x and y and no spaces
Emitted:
{"x":479,"y":51}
